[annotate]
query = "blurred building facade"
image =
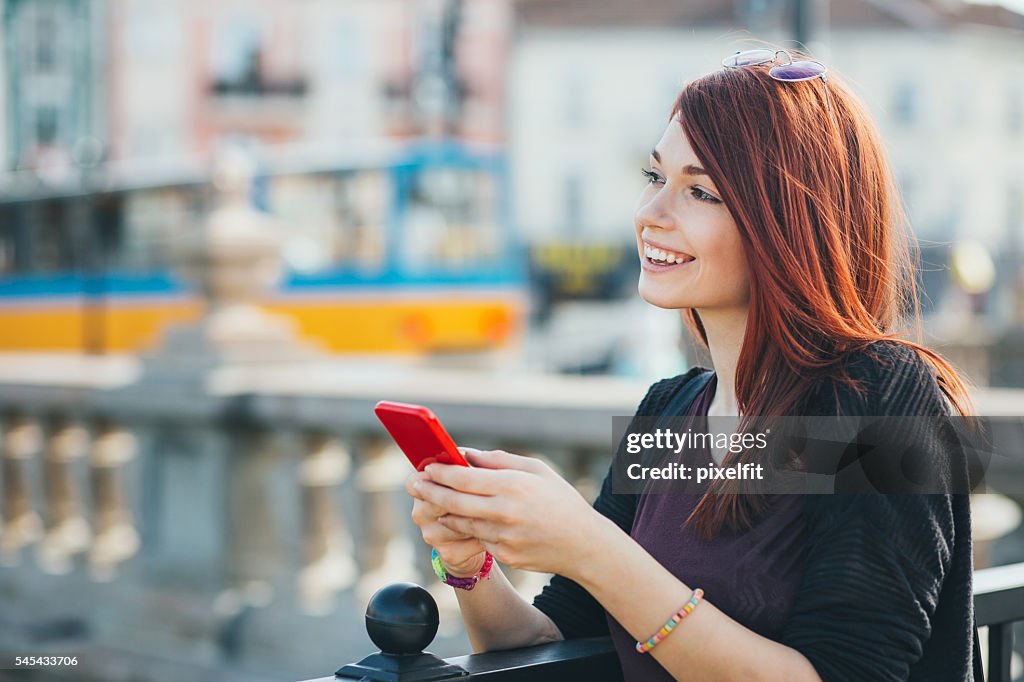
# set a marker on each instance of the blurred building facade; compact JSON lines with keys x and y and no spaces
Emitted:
{"x":373,"y":124}
{"x":585,"y":84}
{"x":172,"y":79}
{"x":53,"y":82}
{"x":592,"y":84}
{"x":577,"y":90}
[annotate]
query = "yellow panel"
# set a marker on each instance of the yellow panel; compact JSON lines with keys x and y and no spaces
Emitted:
{"x":405,"y":326}
{"x":388,"y":325}
{"x":109,"y":328}
{"x":60,"y":329}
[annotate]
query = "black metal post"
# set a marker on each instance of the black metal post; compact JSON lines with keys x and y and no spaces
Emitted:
{"x":1000,"y":651}
{"x":402,"y":620}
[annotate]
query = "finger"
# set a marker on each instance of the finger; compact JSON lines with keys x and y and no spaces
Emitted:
{"x":467,"y":480}
{"x":457,"y":502}
{"x":499,"y":459}
{"x":462,"y":556}
{"x":437,"y":534}
{"x":459,"y":550}
{"x":425,"y":516}
{"x":424,"y":512}
{"x":412,"y":480}
{"x":481,"y":529}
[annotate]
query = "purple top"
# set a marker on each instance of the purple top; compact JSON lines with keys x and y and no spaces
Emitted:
{"x":752,"y":576}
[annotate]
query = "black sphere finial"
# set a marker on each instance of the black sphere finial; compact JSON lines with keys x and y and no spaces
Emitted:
{"x":401,"y":619}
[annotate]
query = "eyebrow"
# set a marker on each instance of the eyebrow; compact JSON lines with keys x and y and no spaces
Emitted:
{"x":688,"y":169}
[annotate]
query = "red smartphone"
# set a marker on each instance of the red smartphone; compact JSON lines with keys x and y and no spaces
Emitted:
{"x":419,"y":434}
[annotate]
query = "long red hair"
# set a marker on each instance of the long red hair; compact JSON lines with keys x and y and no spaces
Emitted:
{"x":828,"y":246}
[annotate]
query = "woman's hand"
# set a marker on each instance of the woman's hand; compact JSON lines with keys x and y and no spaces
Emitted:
{"x":461,"y":554}
{"x":517,"y":507}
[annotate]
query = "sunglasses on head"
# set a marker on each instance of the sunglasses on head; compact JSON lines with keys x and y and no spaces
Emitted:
{"x":788,"y":70}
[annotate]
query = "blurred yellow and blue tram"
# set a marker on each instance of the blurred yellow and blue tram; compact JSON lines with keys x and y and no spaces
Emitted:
{"x":409,"y":253}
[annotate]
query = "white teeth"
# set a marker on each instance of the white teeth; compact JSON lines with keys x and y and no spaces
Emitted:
{"x":665,"y":256}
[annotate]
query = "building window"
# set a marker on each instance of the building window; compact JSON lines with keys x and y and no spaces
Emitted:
{"x":573,"y":205}
{"x":904,"y":104}
{"x":908,"y":191}
{"x":46,"y":125}
{"x":241,"y":48}
{"x":761,"y":14}
{"x":45,"y":44}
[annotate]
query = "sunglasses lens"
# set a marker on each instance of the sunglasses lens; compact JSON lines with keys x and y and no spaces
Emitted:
{"x":748,"y":58}
{"x":797,"y":71}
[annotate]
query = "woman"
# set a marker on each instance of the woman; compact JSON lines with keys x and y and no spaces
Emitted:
{"x":771,"y":220}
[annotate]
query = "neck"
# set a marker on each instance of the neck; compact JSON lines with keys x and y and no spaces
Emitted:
{"x":725,"y":329}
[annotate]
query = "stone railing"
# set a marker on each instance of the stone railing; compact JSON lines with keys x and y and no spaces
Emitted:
{"x":250,"y":501}
{"x":223,"y":514}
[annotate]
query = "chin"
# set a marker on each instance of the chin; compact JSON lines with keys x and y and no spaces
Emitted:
{"x":662,"y":299}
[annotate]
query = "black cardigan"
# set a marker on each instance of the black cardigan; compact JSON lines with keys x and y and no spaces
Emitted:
{"x":886,"y":593}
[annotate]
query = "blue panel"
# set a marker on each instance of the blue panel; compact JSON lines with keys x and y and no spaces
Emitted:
{"x":354,"y":279}
{"x":67,"y":284}
{"x":165,"y":283}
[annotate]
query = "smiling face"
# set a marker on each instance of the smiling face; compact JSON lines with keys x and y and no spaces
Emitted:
{"x":690,"y":250}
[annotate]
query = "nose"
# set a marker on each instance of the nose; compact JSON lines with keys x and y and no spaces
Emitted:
{"x":654,"y":212}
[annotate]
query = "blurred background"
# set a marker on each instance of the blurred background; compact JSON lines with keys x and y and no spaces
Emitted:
{"x":227,"y":228}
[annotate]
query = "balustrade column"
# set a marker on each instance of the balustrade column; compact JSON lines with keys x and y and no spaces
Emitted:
{"x":22,"y":526}
{"x":255,"y":550}
{"x":67,"y":530}
{"x":329,"y":566}
{"x":116,"y":538}
{"x":386,"y":551}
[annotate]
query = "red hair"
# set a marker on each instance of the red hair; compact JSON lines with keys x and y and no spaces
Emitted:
{"x":828,"y":246}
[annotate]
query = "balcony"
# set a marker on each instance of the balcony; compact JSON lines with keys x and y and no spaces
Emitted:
{"x":240,"y":521}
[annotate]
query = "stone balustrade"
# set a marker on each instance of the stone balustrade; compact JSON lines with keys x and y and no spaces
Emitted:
{"x":237,"y":515}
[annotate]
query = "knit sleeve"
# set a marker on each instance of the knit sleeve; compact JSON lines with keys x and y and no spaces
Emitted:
{"x":874,"y":570}
{"x":876,"y":564}
{"x":573,"y":610}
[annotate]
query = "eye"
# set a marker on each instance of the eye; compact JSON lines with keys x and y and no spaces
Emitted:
{"x":651,"y":176}
{"x":701,"y":195}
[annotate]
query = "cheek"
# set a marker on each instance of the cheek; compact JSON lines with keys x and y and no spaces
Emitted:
{"x":741,"y":271}
{"x":738,"y":260}
{"x":730,"y":260}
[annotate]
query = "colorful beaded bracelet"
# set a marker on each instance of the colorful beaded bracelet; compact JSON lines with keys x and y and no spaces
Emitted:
{"x":461,"y":583}
{"x":669,"y":626}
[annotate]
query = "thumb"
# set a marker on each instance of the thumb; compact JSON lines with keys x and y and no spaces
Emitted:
{"x":499,"y":459}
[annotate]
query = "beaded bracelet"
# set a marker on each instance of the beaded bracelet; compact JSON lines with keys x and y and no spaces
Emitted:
{"x":461,"y":583}
{"x":669,"y":626}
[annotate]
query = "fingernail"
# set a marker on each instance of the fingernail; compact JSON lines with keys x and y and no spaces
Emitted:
{"x":430,"y":468}
{"x":417,"y":485}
